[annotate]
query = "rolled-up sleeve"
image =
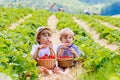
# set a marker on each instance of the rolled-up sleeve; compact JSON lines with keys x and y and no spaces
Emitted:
{"x":58,"y":48}
{"x":34,"y":47}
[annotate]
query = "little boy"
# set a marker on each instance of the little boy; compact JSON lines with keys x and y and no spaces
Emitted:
{"x":67,"y":47}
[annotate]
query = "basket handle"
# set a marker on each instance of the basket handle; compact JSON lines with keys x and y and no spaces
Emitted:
{"x":52,"y":52}
{"x":63,"y":52}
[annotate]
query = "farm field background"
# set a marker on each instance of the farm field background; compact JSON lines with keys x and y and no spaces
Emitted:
{"x":98,"y":37}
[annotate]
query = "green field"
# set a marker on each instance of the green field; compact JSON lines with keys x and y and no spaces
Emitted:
{"x":16,"y":44}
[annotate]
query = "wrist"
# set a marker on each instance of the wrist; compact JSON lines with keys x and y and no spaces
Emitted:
{"x":75,"y":54}
{"x":40,"y":47}
{"x":50,"y":47}
{"x":62,"y":48}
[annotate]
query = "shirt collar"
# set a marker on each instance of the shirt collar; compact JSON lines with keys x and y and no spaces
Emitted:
{"x":70,"y":46}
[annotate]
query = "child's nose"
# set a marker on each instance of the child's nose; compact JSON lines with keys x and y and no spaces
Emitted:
{"x":67,"y":38}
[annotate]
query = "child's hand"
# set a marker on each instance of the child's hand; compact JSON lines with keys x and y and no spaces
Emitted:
{"x":42,"y":46}
{"x":65,"y":45}
{"x":49,"y":43}
{"x":72,"y":50}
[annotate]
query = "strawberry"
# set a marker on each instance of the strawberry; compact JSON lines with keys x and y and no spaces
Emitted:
{"x":66,"y":57}
{"x":60,"y":57}
{"x":51,"y":57}
{"x":42,"y":57}
{"x":47,"y":57}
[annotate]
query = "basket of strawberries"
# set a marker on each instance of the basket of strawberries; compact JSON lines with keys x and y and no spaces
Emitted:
{"x":47,"y":61}
{"x":65,"y":61}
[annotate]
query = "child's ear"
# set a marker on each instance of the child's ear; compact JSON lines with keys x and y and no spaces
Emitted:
{"x":61,"y":39}
{"x":38,"y":39}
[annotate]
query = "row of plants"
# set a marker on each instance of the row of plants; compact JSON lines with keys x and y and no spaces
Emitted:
{"x":16,"y":45}
{"x":96,"y":58}
{"x":111,"y":35}
{"x":111,"y":20}
{"x":10,"y":15}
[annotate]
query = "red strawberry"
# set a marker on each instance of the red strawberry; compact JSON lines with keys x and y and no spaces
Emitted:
{"x":60,"y":57}
{"x":51,"y":57}
{"x":46,"y":55}
{"x":66,"y":56}
{"x":43,"y":57}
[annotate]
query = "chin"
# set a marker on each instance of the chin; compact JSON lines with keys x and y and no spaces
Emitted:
{"x":69,"y":44}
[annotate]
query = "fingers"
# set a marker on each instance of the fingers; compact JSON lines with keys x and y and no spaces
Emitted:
{"x":42,"y":46}
{"x":71,"y":50}
{"x":48,"y":42}
{"x":41,"y":68}
{"x":57,"y":70}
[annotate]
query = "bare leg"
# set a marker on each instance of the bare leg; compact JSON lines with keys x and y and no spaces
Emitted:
{"x":58,"y":70}
{"x":45,"y":70}
{"x":67,"y":70}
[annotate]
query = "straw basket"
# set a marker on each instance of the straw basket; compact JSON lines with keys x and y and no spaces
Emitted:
{"x":48,"y":63}
{"x":65,"y":62}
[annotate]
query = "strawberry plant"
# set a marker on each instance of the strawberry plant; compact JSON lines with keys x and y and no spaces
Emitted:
{"x":10,"y":15}
{"x":96,"y":57}
{"x":111,"y":35}
{"x":15,"y":59}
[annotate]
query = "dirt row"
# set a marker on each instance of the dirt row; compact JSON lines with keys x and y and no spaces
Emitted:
{"x":109,"y":25}
{"x":21,"y":20}
{"x":95,"y":35}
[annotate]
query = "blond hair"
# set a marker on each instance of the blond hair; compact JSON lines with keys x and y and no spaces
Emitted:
{"x":39,"y":32}
{"x":66,"y":31}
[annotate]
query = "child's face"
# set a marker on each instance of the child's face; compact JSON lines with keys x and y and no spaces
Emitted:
{"x":45,"y":37}
{"x":67,"y":39}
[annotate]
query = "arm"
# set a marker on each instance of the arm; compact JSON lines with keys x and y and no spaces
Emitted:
{"x":52,"y":53}
{"x":73,"y":52}
{"x":35,"y":53}
{"x":61,"y":49}
{"x":60,"y":52}
{"x":49,"y":44}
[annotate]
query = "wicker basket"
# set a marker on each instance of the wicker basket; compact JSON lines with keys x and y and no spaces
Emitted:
{"x":65,"y":62}
{"x":48,"y":63}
